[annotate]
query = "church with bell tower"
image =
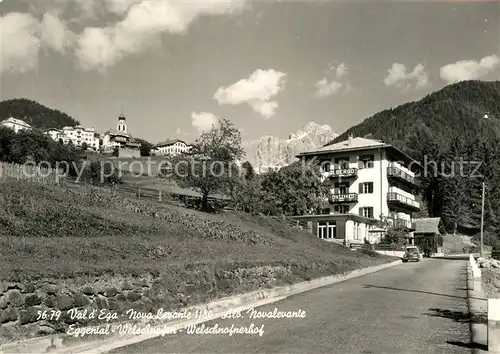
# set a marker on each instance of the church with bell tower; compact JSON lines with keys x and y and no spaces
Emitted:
{"x":121,"y":138}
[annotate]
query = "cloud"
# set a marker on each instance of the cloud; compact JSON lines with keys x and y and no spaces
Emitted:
{"x":399,"y":77}
{"x":119,"y":7}
{"x":19,"y":41}
{"x":257,"y":90}
{"x":140,"y":25}
{"x":341,"y":70}
{"x":144,"y":21}
{"x":22,"y":37}
{"x":203,"y":121}
{"x":54,"y":33}
{"x":326,"y":87}
{"x":469,"y":69}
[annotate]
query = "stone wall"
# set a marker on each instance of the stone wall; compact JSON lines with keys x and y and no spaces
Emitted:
{"x":23,"y":305}
{"x":129,"y":153}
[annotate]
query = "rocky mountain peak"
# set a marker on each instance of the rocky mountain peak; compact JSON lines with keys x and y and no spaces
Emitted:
{"x":273,"y":152}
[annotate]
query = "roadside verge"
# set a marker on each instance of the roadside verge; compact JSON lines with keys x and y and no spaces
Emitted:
{"x":478,"y":309}
{"x":64,"y":343}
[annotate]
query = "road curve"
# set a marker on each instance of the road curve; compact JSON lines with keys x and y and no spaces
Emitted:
{"x":411,"y":308}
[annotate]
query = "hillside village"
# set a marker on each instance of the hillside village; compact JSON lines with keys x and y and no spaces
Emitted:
{"x":118,"y":141}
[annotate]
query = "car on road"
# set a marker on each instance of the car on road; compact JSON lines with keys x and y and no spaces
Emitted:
{"x":412,"y":253}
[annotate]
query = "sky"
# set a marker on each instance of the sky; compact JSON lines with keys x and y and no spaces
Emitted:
{"x":174,"y":67}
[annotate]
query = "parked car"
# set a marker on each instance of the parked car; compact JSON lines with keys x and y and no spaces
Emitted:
{"x":412,"y":253}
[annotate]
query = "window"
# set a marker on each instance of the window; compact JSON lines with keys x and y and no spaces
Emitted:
{"x":342,"y":162}
{"x":325,"y":166}
{"x":366,"y":161}
{"x":366,"y":187}
{"x":367,"y":212}
{"x":341,"y":188}
{"x":342,"y":209}
{"x":326,"y":230}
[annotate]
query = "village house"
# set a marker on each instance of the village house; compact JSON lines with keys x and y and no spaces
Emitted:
{"x":171,"y":147}
{"x":15,"y":124}
{"x":76,"y":135}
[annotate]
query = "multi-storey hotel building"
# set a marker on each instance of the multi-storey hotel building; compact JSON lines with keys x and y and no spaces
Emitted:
{"x":369,"y":181}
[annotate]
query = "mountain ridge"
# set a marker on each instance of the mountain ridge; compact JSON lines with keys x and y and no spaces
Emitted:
{"x":35,"y":114}
{"x":473,"y":98}
{"x":270,"y":152}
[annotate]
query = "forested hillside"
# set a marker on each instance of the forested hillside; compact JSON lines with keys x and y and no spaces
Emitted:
{"x":35,"y":114}
{"x":442,"y":130}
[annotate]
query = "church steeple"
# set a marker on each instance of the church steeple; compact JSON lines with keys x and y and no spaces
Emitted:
{"x":122,"y":126}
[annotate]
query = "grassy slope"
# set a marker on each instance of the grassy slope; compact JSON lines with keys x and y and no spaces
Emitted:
{"x":456,"y":243}
{"x":53,"y":232}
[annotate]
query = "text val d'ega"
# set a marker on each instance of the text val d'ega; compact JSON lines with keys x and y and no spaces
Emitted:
{"x":124,"y":329}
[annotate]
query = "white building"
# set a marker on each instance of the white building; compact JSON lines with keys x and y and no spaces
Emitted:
{"x":369,"y":180}
{"x":77,"y":135}
{"x":53,"y":133}
{"x":171,"y":147}
{"x":15,"y":124}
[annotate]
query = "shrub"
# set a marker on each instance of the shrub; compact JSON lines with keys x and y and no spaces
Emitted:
{"x":370,"y":252}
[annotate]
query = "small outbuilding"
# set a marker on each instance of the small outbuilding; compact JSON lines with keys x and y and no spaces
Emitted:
{"x":428,"y":234}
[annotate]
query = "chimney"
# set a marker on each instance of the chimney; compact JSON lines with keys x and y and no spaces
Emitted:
{"x":350,"y":139}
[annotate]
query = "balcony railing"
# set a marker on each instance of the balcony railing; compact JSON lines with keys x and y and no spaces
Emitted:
{"x":393,"y":171}
{"x":400,"y":199}
{"x":343,"y":198}
{"x":407,"y":224}
{"x":343,"y":172}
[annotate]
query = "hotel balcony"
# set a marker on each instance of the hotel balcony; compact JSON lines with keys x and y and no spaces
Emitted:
{"x":402,"y":201}
{"x":343,"y":198}
{"x":402,"y":223}
{"x":343,"y":173}
{"x":398,"y":173}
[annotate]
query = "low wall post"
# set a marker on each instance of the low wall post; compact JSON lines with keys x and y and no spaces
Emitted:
{"x":494,"y":325}
{"x":476,"y":274}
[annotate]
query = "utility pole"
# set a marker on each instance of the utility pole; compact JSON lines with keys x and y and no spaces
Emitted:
{"x":482,"y":222}
{"x":486,"y":116}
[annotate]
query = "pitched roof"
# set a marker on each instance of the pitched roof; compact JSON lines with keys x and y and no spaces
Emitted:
{"x":116,"y":132}
{"x":359,"y":144}
{"x":15,"y":121}
{"x":427,"y":225}
{"x":351,"y":144}
{"x":169,"y":142}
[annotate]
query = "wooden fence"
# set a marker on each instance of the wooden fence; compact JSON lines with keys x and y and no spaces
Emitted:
{"x":377,"y":247}
{"x":189,"y":198}
{"x":32,"y":173}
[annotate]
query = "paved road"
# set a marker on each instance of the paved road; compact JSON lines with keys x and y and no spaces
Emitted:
{"x":411,"y":308}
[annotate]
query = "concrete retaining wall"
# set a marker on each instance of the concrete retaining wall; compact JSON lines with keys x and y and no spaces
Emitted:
{"x":485,"y":333}
{"x":64,"y":343}
{"x":399,"y":254}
